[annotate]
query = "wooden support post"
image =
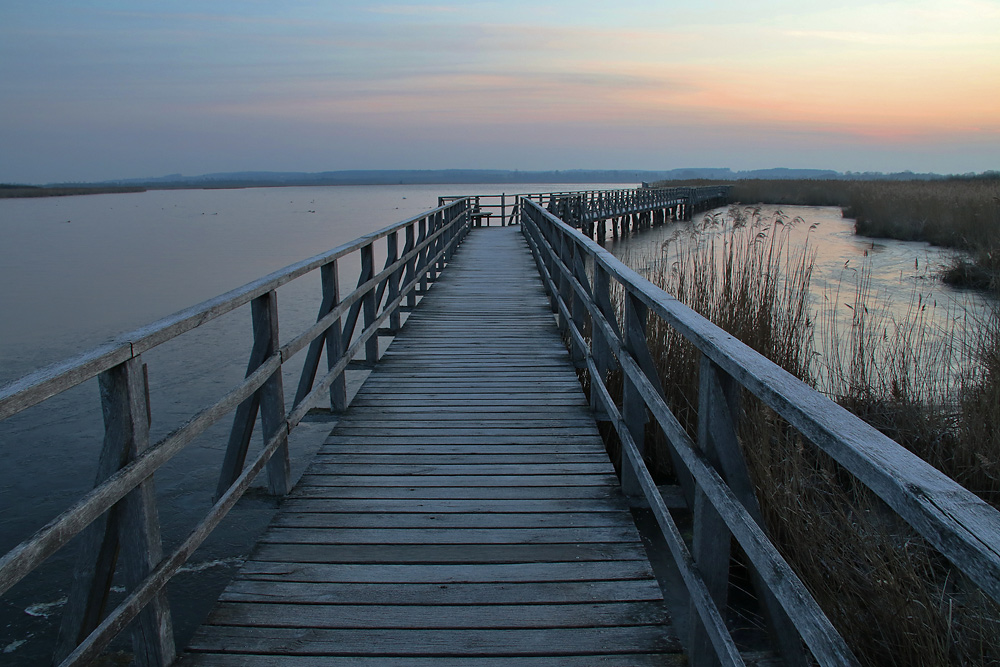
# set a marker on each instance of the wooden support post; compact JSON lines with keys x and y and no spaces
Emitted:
{"x":392,"y":256}
{"x":335,"y":343}
{"x":579,"y":309}
{"x":368,"y":301}
{"x":603,"y":357}
{"x":712,"y":540}
{"x":411,"y":265}
{"x":331,"y":298}
{"x":246,"y":412}
{"x":128,"y":535}
{"x":721,"y":393}
{"x":422,"y":257}
{"x":272,"y":396}
{"x":562,"y":249}
{"x":634,"y":411}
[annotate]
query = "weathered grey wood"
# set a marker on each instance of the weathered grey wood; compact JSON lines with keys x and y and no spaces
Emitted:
{"x":448,"y":574}
{"x":962,"y":527}
{"x":272,"y":399}
{"x":330,"y":281}
{"x":508,"y":498}
{"x":720,"y":395}
{"x":711,"y":541}
{"x":605,"y":660}
{"x":598,"y":614}
{"x":447,"y":553}
{"x":98,"y":554}
{"x":140,"y":550}
{"x":29,"y":554}
{"x":264,"y":347}
{"x":471,"y":642}
{"x":633,"y":408}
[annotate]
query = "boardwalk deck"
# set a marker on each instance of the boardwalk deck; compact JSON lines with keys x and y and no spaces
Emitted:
{"x":462,"y":512}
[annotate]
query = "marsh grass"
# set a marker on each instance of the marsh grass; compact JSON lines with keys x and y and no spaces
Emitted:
{"x":893,"y":597}
{"x":962,"y":213}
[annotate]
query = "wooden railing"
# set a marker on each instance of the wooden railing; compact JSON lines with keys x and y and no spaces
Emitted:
{"x":581,"y":277}
{"x":584,"y":208}
{"x":119,"y":518}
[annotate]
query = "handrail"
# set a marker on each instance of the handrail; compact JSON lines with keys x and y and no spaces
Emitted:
{"x":583,"y":208}
{"x":958,"y":524}
{"x":123,"y":493}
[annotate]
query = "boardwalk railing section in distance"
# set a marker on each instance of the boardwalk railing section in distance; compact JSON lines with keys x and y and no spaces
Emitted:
{"x":581,"y":278}
{"x":119,"y":518}
{"x":595,"y":211}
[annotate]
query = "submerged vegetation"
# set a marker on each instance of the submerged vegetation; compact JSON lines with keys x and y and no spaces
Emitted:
{"x":891,"y":595}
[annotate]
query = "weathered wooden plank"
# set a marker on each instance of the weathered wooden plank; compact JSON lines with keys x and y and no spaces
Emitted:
{"x":447,"y":574}
{"x":482,"y":440}
{"x":413,"y":492}
{"x":493,"y":452}
{"x":282,"y":535}
{"x":329,"y":519}
{"x":492,"y":593}
{"x":398,"y":642}
{"x":602,"y":614}
{"x":451,"y":481}
{"x":604,"y":660}
{"x":375,"y":458}
{"x":463,"y":506}
{"x":448,"y":553}
{"x":434,"y":468}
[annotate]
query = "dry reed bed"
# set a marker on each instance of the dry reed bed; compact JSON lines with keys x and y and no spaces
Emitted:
{"x":895,"y":600}
{"x":961,"y":213}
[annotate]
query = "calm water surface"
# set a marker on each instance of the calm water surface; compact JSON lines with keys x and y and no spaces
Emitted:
{"x":77,"y":271}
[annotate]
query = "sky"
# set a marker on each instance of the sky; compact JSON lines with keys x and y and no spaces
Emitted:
{"x":122,"y":89}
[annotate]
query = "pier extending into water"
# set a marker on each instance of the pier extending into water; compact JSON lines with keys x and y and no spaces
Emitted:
{"x":463,"y":510}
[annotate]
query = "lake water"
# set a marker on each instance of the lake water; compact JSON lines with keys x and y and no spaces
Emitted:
{"x":77,"y":271}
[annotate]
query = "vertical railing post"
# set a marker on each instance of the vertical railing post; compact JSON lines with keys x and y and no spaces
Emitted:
{"x":127,"y":536}
{"x":562,"y":249}
{"x":411,"y":264}
{"x":579,"y":309}
{"x":368,"y":302}
{"x":246,"y":413}
{"x":330,"y":281}
{"x":335,"y":344}
{"x":503,"y":209}
{"x":422,"y":257}
{"x":392,"y":256}
{"x":719,"y":402}
{"x":634,"y":411}
{"x":603,"y":357}
{"x":712,"y":540}
{"x":264,"y":310}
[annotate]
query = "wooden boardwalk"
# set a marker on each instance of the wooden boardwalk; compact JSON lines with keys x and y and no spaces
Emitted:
{"x":463,"y":511}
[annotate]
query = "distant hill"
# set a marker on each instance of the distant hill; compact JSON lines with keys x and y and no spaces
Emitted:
{"x":478,"y":176}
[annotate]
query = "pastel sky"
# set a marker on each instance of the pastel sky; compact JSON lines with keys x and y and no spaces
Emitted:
{"x":118,"y":89}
